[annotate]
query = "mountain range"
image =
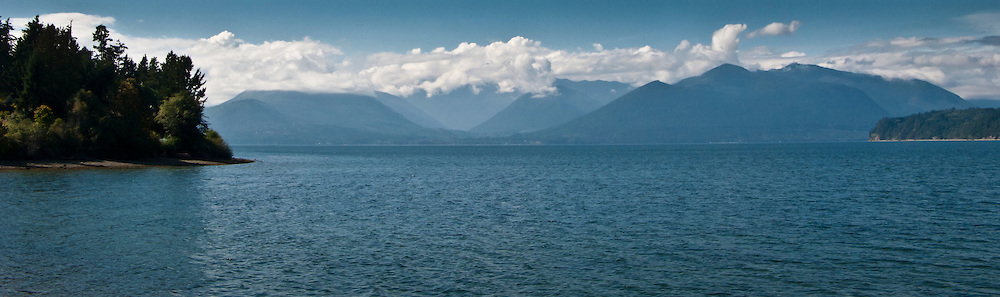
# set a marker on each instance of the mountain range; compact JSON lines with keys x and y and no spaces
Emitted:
{"x":796,"y":103}
{"x":532,"y":112}
{"x":286,"y":117}
{"x":731,"y":104}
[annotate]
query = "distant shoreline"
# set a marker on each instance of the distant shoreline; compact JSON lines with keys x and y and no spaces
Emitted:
{"x":932,"y":140}
{"x":16,"y":165}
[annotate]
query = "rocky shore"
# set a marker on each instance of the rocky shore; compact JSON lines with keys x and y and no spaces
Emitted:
{"x":10,"y":165}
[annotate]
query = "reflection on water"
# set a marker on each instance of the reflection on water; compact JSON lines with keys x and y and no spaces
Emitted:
{"x":831,"y":219}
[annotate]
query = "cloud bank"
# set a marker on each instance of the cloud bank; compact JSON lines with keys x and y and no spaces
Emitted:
{"x":968,"y":66}
{"x":517,"y":65}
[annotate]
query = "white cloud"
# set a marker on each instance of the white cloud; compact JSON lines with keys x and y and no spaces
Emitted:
{"x":776,"y":29}
{"x":83,"y":24}
{"x":726,"y":40}
{"x":232,"y":66}
{"x":524,"y":65}
{"x":967,"y":66}
{"x":793,"y":54}
{"x":516,"y":65}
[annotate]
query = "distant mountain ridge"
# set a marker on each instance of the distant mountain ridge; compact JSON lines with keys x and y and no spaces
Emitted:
{"x":899,"y":97}
{"x":797,"y":103}
{"x":532,"y":112}
{"x":462,"y":108}
{"x":731,"y":104}
{"x":287,"y":117}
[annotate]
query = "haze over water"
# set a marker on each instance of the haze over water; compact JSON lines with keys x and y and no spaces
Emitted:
{"x":756,"y":219}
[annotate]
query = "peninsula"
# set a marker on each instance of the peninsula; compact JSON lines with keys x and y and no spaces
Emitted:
{"x":79,"y":107}
{"x":941,"y":125}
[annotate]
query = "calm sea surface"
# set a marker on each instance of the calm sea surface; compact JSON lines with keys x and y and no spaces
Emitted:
{"x":766,"y":219}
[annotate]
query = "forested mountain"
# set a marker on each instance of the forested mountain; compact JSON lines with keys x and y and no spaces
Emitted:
{"x":732,"y":104}
{"x":287,"y":117}
{"x":973,"y":123}
{"x":60,"y":100}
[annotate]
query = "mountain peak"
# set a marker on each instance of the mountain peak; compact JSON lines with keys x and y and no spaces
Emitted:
{"x":797,"y":66}
{"x":729,"y":67}
{"x":656,"y":83}
{"x":727,"y":71}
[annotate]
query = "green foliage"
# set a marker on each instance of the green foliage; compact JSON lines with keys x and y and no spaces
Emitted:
{"x":44,"y":116}
{"x":217,"y":147}
{"x":181,"y":117}
{"x":58,"y":100}
{"x":973,"y":123}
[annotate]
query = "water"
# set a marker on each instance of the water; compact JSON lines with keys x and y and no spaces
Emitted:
{"x":767,"y":219}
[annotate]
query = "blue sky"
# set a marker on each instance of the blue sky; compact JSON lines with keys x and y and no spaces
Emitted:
{"x":375,"y":26}
{"x":349,"y":35}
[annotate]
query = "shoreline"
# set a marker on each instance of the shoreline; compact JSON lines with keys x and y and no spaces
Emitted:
{"x":18,"y":165}
{"x":932,"y":140}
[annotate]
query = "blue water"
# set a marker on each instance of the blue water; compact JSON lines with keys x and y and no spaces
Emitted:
{"x":765,"y":219}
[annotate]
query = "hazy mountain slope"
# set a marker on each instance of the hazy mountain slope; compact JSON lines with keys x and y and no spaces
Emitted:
{"x":343,"y":110}
{"x":283,"y":117}
{"x":407,"y":110}
{"x":463,"y":108}
{"x":602,"y":91}
{"x":985,"y":103}
{"x":251,"y":121}
{"x":530,"y":113}
{"x":725,"y":104}
{"x":897,"y":96}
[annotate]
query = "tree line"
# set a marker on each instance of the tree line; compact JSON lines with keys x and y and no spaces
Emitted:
{"x":973,"y":123}
{"x":61,"y":100}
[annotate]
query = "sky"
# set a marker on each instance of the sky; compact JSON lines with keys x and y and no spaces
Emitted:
{"x":401,"y":47}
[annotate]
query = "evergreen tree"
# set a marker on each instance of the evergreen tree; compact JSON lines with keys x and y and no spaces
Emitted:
{"x":60,"y":100}
{"x":7,"y":85}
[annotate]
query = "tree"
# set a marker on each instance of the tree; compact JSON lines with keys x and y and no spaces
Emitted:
{"x":60,"y":100}
{"x":50,"y":66}
{"x":181,"y":117}
{"x":176,"y":76}
{"x":7,"y":85}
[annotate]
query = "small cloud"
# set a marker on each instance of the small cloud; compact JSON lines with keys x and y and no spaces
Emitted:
{"x":988,"y":22}
{"x":598,"y":47}
{"x":726,"y":40}
{"x":864,"y":62}
{"x":776,"y":29}
{"x":683,"y":46}
{"x":224,"y":38}
{"x":908,"y":42}
{"x":793,"y":54}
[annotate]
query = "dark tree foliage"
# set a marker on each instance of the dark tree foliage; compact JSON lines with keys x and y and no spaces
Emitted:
{"x":973,"y":123}
{"x":59,"y":100}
